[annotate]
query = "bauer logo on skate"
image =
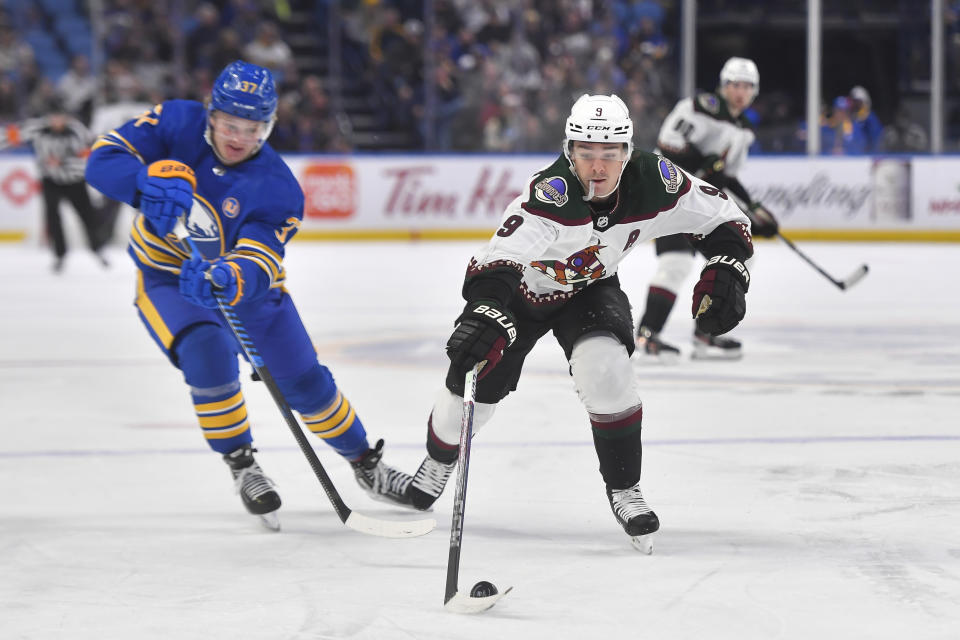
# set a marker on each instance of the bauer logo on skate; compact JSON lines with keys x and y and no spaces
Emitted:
{"x":552,"y":190}
{"x":578,"y":269}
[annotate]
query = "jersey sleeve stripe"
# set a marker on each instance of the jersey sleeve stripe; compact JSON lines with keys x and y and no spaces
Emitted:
{"x":272,"y":274}
{"x":115,"y":139}
{"x":254,"y":245}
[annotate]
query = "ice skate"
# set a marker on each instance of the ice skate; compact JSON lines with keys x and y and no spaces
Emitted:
{"x":633,"y":514}
{"x":428,"y":482}
{"x":256,"y":490}
{"x":708,"y":347}
{"x":651,"y":349}
{"x":382,"y":482}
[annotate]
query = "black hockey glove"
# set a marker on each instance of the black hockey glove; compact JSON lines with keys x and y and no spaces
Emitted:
{"x":762,"y":222}
{"x":482,"y":333}
{"x":712,"y":170}
{"x":719,"y":302}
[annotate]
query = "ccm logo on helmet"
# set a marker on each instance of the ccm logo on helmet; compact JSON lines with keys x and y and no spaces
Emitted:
{"x":597,"y":127}
{"x":500,"y":319}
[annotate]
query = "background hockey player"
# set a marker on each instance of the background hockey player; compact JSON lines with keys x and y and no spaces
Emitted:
{"x":708,"y":136}
{"x":61,"y":144}
{"x":552,"y":266}
{"x":242,"y":205}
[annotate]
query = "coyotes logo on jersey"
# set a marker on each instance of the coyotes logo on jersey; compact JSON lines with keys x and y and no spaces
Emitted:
{"x":578,"y":269}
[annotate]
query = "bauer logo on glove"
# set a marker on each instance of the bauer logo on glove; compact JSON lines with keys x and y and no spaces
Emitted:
{"x":719,"y":302}
{"x":501,"y":319}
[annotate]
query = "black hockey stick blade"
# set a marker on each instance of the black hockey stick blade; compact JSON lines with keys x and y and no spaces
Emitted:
{"x":465,"y":603}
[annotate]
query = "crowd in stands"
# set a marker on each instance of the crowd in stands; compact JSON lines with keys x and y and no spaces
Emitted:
{"x":501,"y":74}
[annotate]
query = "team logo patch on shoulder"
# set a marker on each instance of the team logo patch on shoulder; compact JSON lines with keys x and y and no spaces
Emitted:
{"x":709,"y":103}
{"x":552,"y":190}
{"x":669,"y":175}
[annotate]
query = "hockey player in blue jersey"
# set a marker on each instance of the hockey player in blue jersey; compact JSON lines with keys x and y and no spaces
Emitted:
{"x":211,"y":166}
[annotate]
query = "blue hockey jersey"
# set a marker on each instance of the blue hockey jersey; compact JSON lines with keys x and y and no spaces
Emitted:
{"x":245,"y":212}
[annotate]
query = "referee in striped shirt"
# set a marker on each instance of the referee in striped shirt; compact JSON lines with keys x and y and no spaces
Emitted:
{"x":61,"y":144}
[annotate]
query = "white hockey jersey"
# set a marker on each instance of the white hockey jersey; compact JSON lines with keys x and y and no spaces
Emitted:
{"x":705,"y":123}
{"x":559,"y":244}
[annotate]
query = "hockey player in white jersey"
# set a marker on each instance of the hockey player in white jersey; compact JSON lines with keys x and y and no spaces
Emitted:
{"x":552,"y":266}
{"x":708,"y":136}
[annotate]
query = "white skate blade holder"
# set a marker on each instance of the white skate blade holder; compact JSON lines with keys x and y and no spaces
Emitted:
{"x":465,"y":603}
{"x":643,"y":544}
{"x":270,"y":520}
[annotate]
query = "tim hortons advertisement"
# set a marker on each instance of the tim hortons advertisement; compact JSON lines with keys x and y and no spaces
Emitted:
{"x":410,"y":192}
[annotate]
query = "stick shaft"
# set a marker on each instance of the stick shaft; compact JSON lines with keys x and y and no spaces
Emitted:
{"x":460,"y":498}
{"x":253,"y":355}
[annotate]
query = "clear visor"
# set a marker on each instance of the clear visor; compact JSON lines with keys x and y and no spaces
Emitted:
{"x":241,"y":129}
{"x":604,"y":155}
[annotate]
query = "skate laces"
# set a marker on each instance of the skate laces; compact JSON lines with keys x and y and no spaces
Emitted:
{"x":387,"y":480}
{"x":432,"y":476}
{"x":628,"y":503}
{"x":252,"y":482}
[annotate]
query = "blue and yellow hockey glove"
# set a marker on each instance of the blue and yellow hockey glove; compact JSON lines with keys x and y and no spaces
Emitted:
{"x":166,"y":193}
{"x":199,"y":279}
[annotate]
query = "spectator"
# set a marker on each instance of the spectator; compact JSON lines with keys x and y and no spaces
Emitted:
{"x":202,"y":35}
{"x":268,"y":50}
{"x":15,"y":54}
{"x":904,"y":135}
{"x":77,"y":88}
{"x":867,"y":130}
{"x":152,"y":72}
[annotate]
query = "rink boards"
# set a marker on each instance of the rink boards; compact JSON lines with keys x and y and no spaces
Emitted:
{"x":396,"y":196}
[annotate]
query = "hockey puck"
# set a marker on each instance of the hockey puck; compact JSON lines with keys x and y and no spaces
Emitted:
{"x":483,"y":589}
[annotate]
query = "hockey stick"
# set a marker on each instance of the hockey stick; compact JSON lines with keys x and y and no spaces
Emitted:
{"x":486,"y":594}
{"x":843,"y":285}
{"x":354,"y":520}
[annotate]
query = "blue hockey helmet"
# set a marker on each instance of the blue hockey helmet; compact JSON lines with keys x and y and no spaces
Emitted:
{"x":245,"y":90}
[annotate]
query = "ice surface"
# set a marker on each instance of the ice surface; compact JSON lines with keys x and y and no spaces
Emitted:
{"x":811,"y":490}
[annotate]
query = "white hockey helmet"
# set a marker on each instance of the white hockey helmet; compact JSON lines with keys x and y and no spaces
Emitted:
{"x":603,"y":119}
{"x":599,"y":119}
{"x":740,"y":70}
